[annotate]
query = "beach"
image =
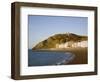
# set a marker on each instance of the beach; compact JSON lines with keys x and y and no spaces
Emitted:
{"x":81,"y":55}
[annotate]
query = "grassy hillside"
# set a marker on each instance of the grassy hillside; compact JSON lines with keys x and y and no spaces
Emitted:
{"x":58,"y":39}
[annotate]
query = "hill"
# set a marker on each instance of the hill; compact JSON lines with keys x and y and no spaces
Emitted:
{"x":51,"y":41}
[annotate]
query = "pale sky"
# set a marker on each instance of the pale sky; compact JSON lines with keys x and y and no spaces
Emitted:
{"x":42,"y":27}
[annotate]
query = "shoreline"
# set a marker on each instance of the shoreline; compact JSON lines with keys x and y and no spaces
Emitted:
{"x":59,"y":50}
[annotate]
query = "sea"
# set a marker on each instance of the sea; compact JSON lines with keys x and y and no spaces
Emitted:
{"x":46,"y":58}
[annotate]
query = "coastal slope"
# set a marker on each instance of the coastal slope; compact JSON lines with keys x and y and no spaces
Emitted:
{"x":53,"y":41}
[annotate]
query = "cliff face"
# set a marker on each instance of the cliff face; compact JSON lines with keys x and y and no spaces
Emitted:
{"x":52,"y":41}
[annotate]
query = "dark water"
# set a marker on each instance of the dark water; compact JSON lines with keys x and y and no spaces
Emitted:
{"x":41,"y":58}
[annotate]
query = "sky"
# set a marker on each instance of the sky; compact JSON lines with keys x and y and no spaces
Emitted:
{"x":42,"y":27}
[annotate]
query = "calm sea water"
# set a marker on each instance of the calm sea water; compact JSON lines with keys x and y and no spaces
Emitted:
{"x":41,"y":58}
